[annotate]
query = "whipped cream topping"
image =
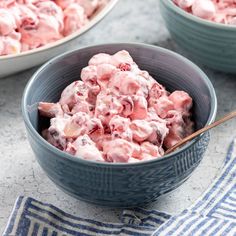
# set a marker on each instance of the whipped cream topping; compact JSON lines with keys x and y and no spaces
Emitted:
{"x":29,"y":24}
{"x":117,"y":113}
{"x":220,"y":11}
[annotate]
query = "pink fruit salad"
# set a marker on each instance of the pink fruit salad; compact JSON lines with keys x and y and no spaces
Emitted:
{"x":29,"y":24}
{"x":117,"y":113}
{"x":219,"y":11}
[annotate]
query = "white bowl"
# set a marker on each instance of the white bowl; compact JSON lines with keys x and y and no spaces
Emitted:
{"x":13,"y":63}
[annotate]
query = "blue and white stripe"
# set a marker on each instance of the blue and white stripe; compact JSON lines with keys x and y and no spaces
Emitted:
{"x":214,"y":213}
{"x":222,"y":192}
{"x":192,"y":224}
{"x":31,"y":217}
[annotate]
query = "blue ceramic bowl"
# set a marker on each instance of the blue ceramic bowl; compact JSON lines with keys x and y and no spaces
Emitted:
{"x":209,"y":43}
{"x":119,"y":185}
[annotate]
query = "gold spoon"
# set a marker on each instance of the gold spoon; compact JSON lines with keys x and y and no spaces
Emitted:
{"x":200,"y":131}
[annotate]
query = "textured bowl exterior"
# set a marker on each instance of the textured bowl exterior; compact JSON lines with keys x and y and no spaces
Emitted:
{"x":119,"y":185}
{"x":11,"y":64}
{"x":208,"y":43}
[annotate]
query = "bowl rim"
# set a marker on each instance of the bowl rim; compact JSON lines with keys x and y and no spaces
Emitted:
{"x":197,"y":19}
{"x":65,"y":155}
{"x":95,"y":20}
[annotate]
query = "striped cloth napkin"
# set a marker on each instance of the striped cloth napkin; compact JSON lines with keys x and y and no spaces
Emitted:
{"x":213,"y":214}
{"x":33,"y":218}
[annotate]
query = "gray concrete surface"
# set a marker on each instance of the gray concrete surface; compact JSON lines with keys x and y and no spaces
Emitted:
{"x":20,"y":174}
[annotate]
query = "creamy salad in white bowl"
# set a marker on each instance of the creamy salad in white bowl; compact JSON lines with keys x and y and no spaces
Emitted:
{"x":33,"y":31}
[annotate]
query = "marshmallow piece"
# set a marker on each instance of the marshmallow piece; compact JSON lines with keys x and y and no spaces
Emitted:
{"x":56,"y":131}
{"x":140,"y":108}
{"x":48,"y":30}
{"x":181,"y":100}
{"x":160,"y":131}
{"x":141,"y":130}
{"x":89,"y":6}
{"x":104,"y":74}
{"x":149,"y":148}
{"x":73,"y":93}
{"x":204,"y":9}
{"x":124,"y":82}
{"x":74,"y":18}
{"x":95,"y":129}
{"x":6,"y":3}
{"x":77,"y":125}
{"x":11,"y":45}
{"x":119,"y":127}
{"x":50,"y":8}
{"x":7,"y":22}
{"x":50,"y":109}
{"x":185,"y":3}
{"x":89,"y":76}
{"x":118,"y":150}
{"x":121,"y":58}
{"x":128,"y":105}
{"x":161,"y":105}
{"x":157,"y":91}
{"x":64,"y":3}
{"x":101,"y":58}
{"x":86,"y":149}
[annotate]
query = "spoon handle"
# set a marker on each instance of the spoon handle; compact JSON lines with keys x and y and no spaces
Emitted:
{"x":200,"y":131}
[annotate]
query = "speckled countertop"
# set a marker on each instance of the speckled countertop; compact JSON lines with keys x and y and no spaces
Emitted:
{"x":20,"y":174}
